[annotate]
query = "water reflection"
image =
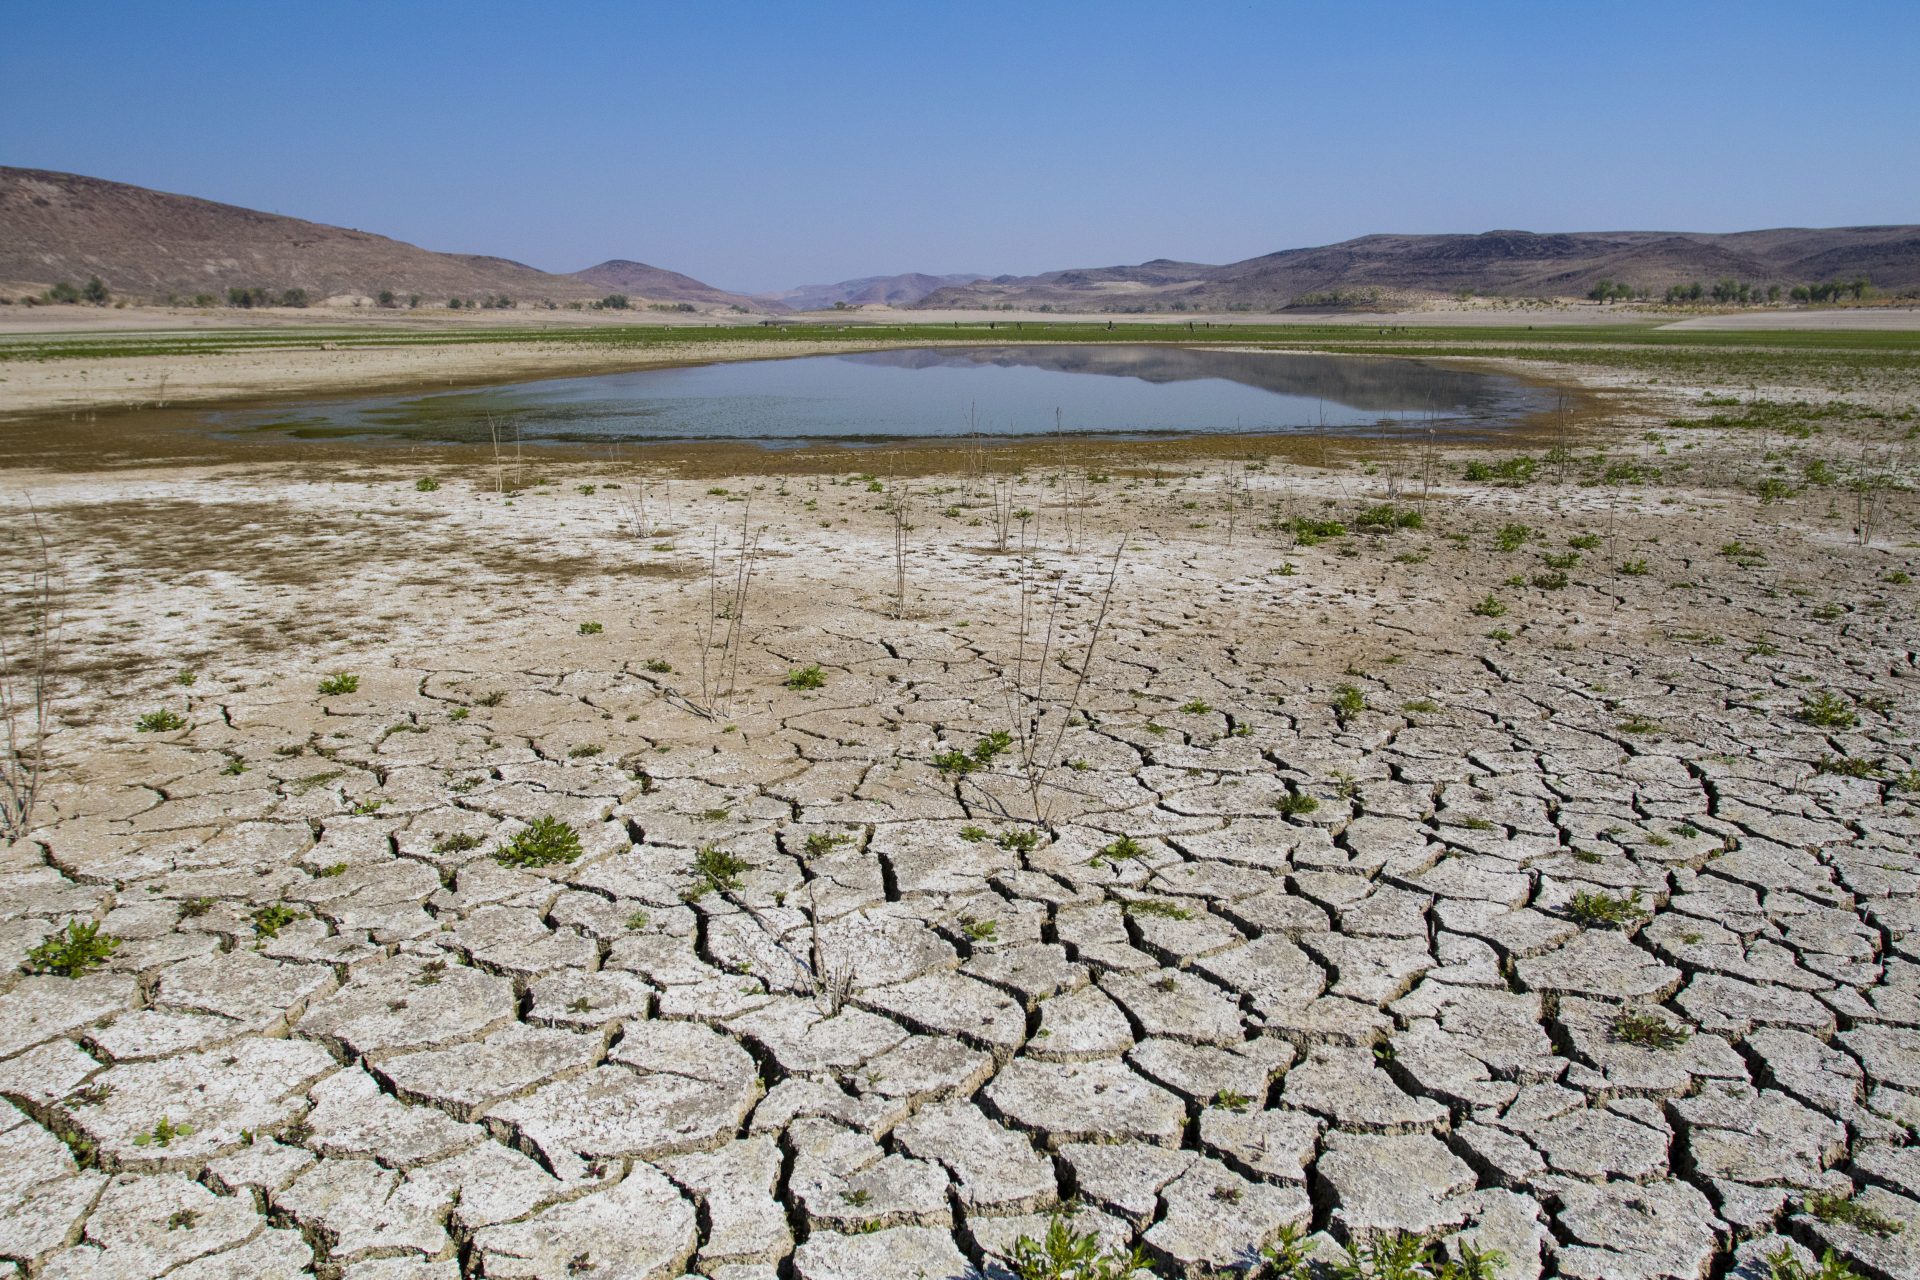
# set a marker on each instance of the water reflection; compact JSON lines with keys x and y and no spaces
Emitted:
{"x":1118,"y":390}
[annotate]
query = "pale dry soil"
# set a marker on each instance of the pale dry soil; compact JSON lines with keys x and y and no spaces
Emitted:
{"x":1276,"y":906}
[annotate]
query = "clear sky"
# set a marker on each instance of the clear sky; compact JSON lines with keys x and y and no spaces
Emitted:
{"x":763,"y":145}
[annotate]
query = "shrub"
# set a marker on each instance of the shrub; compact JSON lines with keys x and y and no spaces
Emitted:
{"x":338,"y":683}
{"x":62,"y":292}
{"x":809,"y":677}
{"x":95,"y":291}
{"x":545,"y":842}
{"x":614,"y":302}
{"x":73,"y":951}
{"x":294,"y":298}
{"x":162,"y":721}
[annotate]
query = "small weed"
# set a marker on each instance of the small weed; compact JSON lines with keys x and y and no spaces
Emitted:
{"x":1829,"y":1206}
{"x":1348,"y":702}
{"x":978,"y":930}
{"x":1896,"y":577}
{"x":1228,"y":1100}
{"x":328,"y":873}
{"x":162,"y":1134}
{"x":1561,"y":561}
{"x":1637,"y":724}
{"x":1590,"y":909}
{"x":1500,"y":635}
{"x":234,"y":767}
{"x":638,"y":920}
{"x":1584,"y":542}
{"x":1019,"y":840}
{"x":162,"y":721}
{"x":1648,"y":1030}
{"x":1488,"y":606}
{"x":1825,"y":710}
{"x":1633,"y":568}
{"x":715,"y":871}
{"x":458,"y":842}
{"x":1066,"y":1254}
{"x":366,"y":808}
{"x":191,"y":907}
{"x":338,"y":683}
{"x":1783,"y":1265}
{"x":1196,"y":708}
{"x":545,"y":842}
{"x":426,"y":484}
{"x":1848,"y":767}
{"x":1476,"y":824}
{"x":982,"y":755}
{"x":715,"y":815}
{"x":1555,"y":581}
{"x":810,"y":677}
{"x":430,"y":973}
{"x":584,"y":751}
{"x":1156,"y":907}
{"x":185,"y":678}
{"x":1421,"y":706}
{"x":659,"y":666}
{"x":459,"y":713}
{"x":1512,"y":537}
{"x":1296,"y":804}
{"x":820,"y":844}
{"x":72,"y":952}
{"x":491,"y":698}
{"x":1123,"y":848}
{"x":269,"y":920}
{"x":591,"y":628}
{"x":973,"y":834}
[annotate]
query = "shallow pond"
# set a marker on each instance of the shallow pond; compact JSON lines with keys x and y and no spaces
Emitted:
{"x":1120,"y":391}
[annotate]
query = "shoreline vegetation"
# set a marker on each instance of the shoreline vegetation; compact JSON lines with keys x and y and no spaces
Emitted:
{"x":44,"y":375}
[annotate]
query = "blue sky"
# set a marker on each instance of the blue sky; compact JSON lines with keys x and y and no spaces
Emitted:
{"x":758,"y":146}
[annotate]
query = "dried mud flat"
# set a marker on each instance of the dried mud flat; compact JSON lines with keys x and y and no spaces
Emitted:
{"x":1549,"y":890}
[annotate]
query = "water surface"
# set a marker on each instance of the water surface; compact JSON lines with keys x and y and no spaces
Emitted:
{"x":1120,"y":391}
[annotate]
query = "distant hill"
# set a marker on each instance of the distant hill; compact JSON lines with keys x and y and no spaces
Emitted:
{"x":1389,"y":268}
{"x":893,"y":291}
{"x":62,"y":226}
{"x":660,"y":285}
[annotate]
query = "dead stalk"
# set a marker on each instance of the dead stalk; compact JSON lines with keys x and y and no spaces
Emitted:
{"x":26,"y":685}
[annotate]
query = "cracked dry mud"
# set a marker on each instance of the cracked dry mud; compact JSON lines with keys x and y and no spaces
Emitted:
{"x":1388,"y":1010}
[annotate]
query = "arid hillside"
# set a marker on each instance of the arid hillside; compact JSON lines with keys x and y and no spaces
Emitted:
{"x":1383,"y":268}
{"x":57,"y":227}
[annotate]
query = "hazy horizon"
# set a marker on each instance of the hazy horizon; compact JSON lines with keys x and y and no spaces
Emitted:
{"x":760,"y":147}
